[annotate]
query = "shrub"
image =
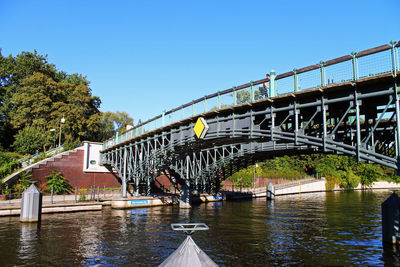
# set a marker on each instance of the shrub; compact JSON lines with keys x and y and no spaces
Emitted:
{"x":58,"y":182}
{"x":43,"y":187}
{"x":82,"y":195}
{"x":24,"y":181}
{"x":9,"y":168}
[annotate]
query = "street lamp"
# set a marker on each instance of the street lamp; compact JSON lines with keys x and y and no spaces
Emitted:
{"x":55,"y":135}
{"x":254,"y":176}
{"x":59,"y":139}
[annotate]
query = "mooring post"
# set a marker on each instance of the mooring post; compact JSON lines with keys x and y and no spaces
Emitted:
{"x":390,"y":220}
{"x":184,"y":198}
{"x":270,"y":191}
{"x":31,"y":205}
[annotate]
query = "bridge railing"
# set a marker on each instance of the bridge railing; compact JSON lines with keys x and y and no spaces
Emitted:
{"x":371,"y":62}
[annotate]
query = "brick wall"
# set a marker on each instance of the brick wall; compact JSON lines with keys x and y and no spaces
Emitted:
{"x":71,"y":167}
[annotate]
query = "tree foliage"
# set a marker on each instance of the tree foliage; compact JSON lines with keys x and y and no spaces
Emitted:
{"x":57,"y":182}
{"x":33,"y":93}
{"x":339,"y":170}
{"x":113,"y":122}
{"x":24,"y":181}
{"x":29,"y":140}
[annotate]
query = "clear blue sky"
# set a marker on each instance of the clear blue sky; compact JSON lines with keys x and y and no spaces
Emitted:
{"x":145,"y":56}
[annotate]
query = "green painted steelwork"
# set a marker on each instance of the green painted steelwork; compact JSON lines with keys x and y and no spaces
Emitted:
{"x":272,"y":84}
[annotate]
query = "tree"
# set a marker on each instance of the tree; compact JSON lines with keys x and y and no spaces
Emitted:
{"x":34,"y":93}
{"x":12,"y":71}
{"x":244,"y":96}
{"x":58,"y":182}
{"x":41,"y":102}
{"x":24,"y":181}
{"x":113,"y":122}
{"x":30,"y":140}
{"x":369,"y":173}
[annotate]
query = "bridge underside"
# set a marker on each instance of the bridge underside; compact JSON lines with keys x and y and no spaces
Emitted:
{"x":359,"y":119}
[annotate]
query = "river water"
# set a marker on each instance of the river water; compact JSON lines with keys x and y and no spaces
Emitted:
{"x":334,"y":228}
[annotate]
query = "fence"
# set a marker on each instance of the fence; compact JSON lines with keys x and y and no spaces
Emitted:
{"x":12,"y":196}
{"x":368,"y":63}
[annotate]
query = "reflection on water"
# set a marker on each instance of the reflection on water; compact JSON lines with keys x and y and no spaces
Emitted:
{"x":311,"y":229}
{"x":28,"y":240}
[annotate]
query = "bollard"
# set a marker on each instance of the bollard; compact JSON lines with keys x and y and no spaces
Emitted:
{"x":98,"y":194}
{"x":76,"y":194}
{"x":104,"y":192}
{"x":270,"y":191}
{"x":52,"y":192}
{"x":184,"y":198}
{"x":31,"y":205}
{"x":390,"y":220}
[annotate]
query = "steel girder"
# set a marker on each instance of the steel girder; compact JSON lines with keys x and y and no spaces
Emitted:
{"x":359,"y":119}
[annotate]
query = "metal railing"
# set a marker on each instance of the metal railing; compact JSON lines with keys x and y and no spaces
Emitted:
{"x":368,"y":63}
{"x":12,"y":196}
{"x":51,"y":152}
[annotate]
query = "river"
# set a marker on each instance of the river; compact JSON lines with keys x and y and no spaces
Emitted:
{"x":335,"y":228}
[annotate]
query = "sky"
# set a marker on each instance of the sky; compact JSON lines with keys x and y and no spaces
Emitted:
{"x":143,"y":57}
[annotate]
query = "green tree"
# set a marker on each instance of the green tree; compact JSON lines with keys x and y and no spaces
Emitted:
{"x":30,"y":140}
{"x":113,"y":122}
{"x":12,"y":71}
{"x":369,"y":173}
{"x":24,"y":181}
{"x":244,"y":96}
{"x":34,"y":93}
{"x":58,"y":182}
{"x":41,"y":102}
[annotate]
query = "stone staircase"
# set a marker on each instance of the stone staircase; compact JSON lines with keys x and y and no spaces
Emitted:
{"x":10,"y":179}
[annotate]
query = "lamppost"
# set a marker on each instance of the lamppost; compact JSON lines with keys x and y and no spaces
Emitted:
{"x":55,"y":135}
{"x":59,"y":139}
{"x":254,"y":176}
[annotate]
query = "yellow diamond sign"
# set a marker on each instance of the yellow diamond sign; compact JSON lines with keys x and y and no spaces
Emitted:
{"x":200,"y":128}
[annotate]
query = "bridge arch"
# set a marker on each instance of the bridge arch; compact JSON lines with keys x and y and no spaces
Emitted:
{"x":357,"y":117}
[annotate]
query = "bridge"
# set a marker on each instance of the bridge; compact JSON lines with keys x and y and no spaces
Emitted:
{"x":348,"y":105}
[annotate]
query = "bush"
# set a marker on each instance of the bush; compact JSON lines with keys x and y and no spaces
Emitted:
{"x":9,"y":168}
{"x":43,"y":187}
{"x":82,"y":195}
{"x":29,"y":140}
{"x":24,"y":181}
{"x":69,"y":145}
{"x":58,"y":182}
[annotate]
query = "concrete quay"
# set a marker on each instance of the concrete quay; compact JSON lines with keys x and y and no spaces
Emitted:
{"x":53,"y":208}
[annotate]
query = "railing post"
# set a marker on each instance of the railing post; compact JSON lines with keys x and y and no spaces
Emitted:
{"x":219,"y":100}
{"x":117,"y":138}
{"x":397,"y":131}
{"x":234,"y":96}
{"x":322,"y":69}
{"x":205,"y":104}
{"x":394,"y":67}
{"x":252,"y":97}
{"x":192,"y":108}
{"x":354,"y":62}
{"x":272,"y":84}
{"x":295,"y":81}
{"x":163,"y":118}
{"x":182,"y":113}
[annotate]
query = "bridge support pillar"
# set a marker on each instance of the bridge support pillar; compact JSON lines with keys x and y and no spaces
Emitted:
{"x":185,"y":197}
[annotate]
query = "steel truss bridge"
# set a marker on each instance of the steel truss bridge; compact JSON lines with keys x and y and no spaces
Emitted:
{"x":348,"y":105}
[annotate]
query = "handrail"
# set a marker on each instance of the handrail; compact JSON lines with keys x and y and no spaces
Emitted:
{"x":324,"y":73}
